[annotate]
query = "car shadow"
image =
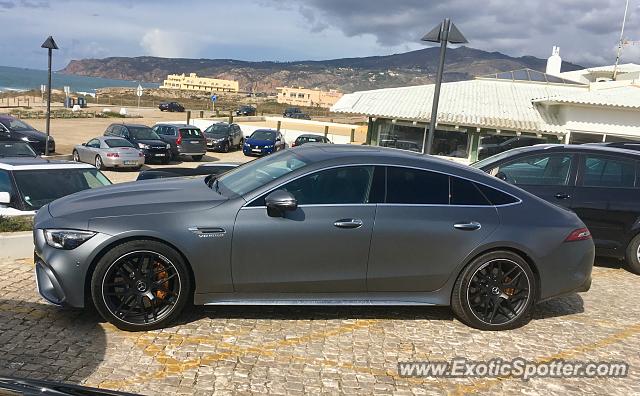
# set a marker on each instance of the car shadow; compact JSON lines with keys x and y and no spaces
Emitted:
{"x":562,"y":306}
{"x":42,"y":341}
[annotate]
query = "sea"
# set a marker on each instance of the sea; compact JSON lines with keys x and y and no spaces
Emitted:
{"x":20,"y":79}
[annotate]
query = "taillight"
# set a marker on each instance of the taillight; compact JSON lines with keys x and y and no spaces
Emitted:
{"x":113,"y":155}
{"x":581,"y":234}
{"x":293,"y":144}
{"x":179,"y":140}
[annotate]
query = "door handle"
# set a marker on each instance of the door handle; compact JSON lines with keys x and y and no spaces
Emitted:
{"x":562,"y":196}
{"x":469,"y":226}
{"x":348,"y":223}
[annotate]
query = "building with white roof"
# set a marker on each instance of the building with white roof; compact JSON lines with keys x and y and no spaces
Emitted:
{"x":509,"y":109}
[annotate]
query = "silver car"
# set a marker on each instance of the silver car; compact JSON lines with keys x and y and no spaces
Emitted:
{"x":109,"y":152}
{"x":361,"y":225}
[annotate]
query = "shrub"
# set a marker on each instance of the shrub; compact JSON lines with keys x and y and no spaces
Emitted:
{"x":15,"y":224}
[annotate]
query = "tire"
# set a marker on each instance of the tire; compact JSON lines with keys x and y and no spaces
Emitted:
{"x":76,"y":156}
{"x":99,"y":164}
{"x":480,"y":294}
{"x":633,"y":255}
{"x":226,"y":147}
{"x":240,"y":144}
{"x":148,"y":295}
{"x":197,"y":158}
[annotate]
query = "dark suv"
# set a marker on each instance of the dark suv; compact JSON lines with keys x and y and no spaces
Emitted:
{"x":171,"y":107}
{"x":290,"y":111}
{"x":246,"y":111}
{"x":224,"y":137}
{"x":144,"y":138}
{"x":184,"y":140}
{"x":12,"y":129}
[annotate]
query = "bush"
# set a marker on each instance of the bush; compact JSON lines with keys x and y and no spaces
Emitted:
{"x":15,"y":224}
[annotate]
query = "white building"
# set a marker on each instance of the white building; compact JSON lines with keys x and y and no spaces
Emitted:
{"x":512,"y":109}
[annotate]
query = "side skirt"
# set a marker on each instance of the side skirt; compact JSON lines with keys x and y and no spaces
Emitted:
{"x":360,"y":299}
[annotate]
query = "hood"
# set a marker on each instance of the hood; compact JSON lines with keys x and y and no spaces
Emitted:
{"x":259,"y":142}
{"x":152,"y":142}
{"x":32,"y":134}
{"x":138,"y":198}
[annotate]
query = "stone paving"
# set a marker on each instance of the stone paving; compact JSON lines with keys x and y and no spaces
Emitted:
{"x":295,"y":350}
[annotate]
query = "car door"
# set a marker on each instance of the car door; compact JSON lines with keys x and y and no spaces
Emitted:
{"x":428,"y":224}
{"x":89,"y":151}
{"x":550,"y":176}
{"x":321,"y":247}
{"x":607,"y":199}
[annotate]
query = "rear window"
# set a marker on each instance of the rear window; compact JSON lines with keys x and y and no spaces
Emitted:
{"x":117,"y":143}
{"x":465,"y":193}
{"x":190,"y":133}
{"x":413,"y":186}
{"x":496,"y":197}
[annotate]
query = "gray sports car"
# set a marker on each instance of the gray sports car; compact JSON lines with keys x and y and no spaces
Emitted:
{"x":109,"y":152}
{"x":317,"y":224}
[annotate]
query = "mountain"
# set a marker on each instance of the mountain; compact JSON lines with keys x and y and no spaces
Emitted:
{"x":347,"y":74}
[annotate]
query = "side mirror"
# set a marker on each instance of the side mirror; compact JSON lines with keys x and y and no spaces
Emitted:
{"x":5,"y":198}
{"x":84,"y":144}
{"x":280,"y":201}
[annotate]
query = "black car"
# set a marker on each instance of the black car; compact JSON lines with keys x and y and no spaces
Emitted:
{"x":185,"y":140}
{"x":224,"y":137}
{"x":13,"y":129}
{"x":300,"y":116}
{"x":204,"y":169}
{"x":246,"y":111}
{"x":310,"y":138}
{"x":497,"y":144}
{"x":16,"y":149}
{"x":290,"y":111}
{"x":600,"y":184}
{"x":623,"y":145}
{"x":171,"y":107}
{"x":143,"y":137}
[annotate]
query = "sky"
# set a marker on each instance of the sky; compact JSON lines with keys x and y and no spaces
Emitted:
{"x":587,"y":31}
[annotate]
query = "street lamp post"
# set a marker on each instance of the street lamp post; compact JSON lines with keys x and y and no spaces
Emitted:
{"x":50,"y":45}
{"x":445,"y":32}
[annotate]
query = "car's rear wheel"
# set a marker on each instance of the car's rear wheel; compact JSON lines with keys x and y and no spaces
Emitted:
{"x":240,"y":144}
{"x":496,"y":291}
{"x":633,"y":255}
{"x":140,"y":285}
{"x":98,"y":162}
{"x":76,"y":156}
{"x":196,"y":157}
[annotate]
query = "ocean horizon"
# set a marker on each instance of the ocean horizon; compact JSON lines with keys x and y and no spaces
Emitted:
{"x":24,"y":79}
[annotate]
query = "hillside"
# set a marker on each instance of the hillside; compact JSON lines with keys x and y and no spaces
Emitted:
{"x":347,"y":74}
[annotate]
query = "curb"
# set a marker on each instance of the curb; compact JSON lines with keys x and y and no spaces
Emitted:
{"x":16,"y":245}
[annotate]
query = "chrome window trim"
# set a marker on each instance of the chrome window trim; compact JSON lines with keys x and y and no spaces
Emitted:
{"x":518,"y":200}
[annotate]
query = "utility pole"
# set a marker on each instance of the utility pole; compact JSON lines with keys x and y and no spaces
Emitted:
{"x":50,"y":45}
{"x":445,"y":32}
{"x":620,"y":42}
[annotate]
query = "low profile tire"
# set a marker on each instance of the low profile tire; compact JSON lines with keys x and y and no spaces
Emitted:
{"x":140,"y":285}
{"x":99,"y":164}
{"x":633,"y":255}
{"x":496,"y":291}
{"x":197,"y":158}
{"x":76,"y":156}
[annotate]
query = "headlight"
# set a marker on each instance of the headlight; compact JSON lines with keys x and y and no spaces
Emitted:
{"x":143,"y":146}
{"x":246,"y":145}
{"x":67,"y":239}
{"x":268,"y":147}
{"x":168,"y":146}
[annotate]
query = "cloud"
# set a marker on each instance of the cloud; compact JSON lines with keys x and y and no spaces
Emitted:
{"x":7,"y":4}
{"x":163,"y":43}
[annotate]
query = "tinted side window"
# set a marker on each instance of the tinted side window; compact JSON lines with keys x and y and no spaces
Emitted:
{"x":5,"y":182}
{"x":465,"y":192}
{"x":601,"y":171}
{"x":413,"y":186}
{"x":347,"y":185}
{"x":537,"y":170}
{"x":496,"y":197}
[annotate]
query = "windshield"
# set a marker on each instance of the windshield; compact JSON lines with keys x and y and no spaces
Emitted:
{"x":38,"y":187}
{"x":492,"y":159}
{"x":141,"y":133}
{"x":15,"y":125}
{"x":263,"y":134}
{"x":217,"y":130}
{"x":257,"y":173}
{"x":118,"y":143}
{"x":16,"y":149}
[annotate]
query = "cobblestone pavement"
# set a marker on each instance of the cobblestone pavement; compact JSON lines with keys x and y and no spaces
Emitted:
{"x":285,"y":350}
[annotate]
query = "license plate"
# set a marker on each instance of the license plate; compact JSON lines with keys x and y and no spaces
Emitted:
{"x":195,"y":142}
{"x":256,"y":150}
{"x":159,"y":155}
{"x":130,"y":162}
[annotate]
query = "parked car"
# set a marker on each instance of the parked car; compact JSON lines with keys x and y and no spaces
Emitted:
{"x":26,"y":184}
{"x":16,"y":149}
{"x":600,"y":184}
{"x":214,"y":168}
{"x":623,"y":145}
{"x":13,"y":129}
{"x":143,"y":137}
{"x":29,"y":387}
{"x":262,"y":142}
{"x":445,"y":234}
{"x":224,"y":137}
{"x":109,"y":152}
{"x":246,"y":111}
{"x":401,"y":144}
{"x":310,"y":138}
{"x":300,"y":116}
{"x":486,"y":150}
{"x":290,"y":111}
{"x":171,"y":107}
{"x":187,"y":140}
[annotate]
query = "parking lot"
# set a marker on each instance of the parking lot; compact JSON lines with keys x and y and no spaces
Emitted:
{"x":294,"y":350}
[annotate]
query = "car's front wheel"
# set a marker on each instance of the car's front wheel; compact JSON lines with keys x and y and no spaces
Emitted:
{"x":496,"y":291}
{"x":140,"y":285}
{"x":633,"y":255}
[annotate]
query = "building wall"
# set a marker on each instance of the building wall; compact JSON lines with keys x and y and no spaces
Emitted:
{"x":194,"y":83}
{"x":601,"y":120}
{"x":307,"y":97}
